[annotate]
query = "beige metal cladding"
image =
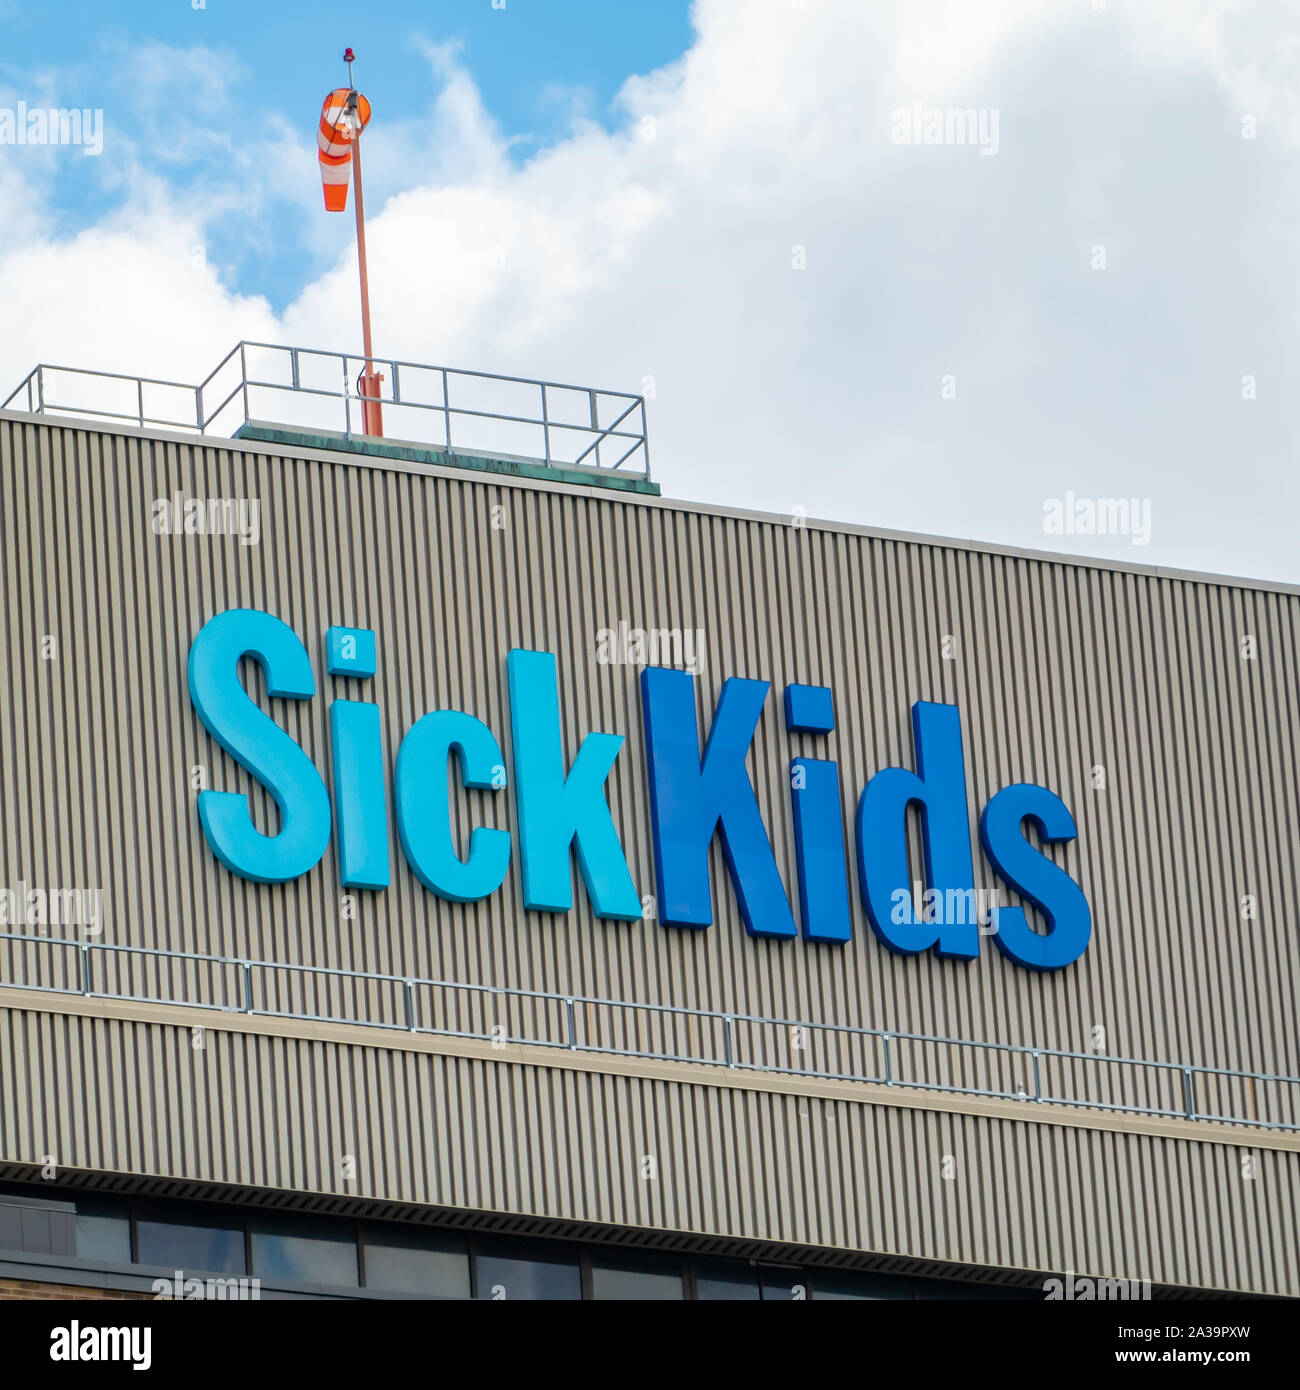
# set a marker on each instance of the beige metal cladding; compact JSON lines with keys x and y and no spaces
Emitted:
{"x":581,"y":1146}
{"x":1164,"y":710}
{"x":1065,"y":674}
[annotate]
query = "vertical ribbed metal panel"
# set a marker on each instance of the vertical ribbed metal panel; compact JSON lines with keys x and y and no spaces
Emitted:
{"x":573,"y":1145}
{"x":1058,"y":668}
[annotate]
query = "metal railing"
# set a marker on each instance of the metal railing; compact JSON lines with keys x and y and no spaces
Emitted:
{"x":466,"y":412}
{"x":664,"y":1032}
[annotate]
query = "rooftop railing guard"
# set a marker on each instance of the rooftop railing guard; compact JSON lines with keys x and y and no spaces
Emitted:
{"x":662,"y":1032}
{"x":446,"y":408}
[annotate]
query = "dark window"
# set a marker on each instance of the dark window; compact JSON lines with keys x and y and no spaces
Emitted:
{"x":37,"y":1225}
{"x":783,"y":1285}
{"x":612,"y":1279}
{"x":841,"y":1285}
{"x":103,"y":1232}
{"x":437,"y":1267}
{"x":210,"y":1248}
{"x":405,"y":1258}
{"x":521,"y":1276}
{"x":303,"y":1254}
{"x":717,"y":1279}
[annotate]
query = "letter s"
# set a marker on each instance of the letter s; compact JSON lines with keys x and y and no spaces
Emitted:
{"x":1036,"y":878}
{"x":256,"y":742}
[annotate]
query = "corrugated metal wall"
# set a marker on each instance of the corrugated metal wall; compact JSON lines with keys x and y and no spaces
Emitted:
{"x":1058,"y":668}
{"x":462,"y":1132}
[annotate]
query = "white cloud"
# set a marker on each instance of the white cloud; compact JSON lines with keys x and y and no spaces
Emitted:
{"x":664,"y":250}
{"x":161,"y":77}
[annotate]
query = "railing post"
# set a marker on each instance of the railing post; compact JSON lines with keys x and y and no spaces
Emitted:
{"x":85,"y":968}
{"x":446,"y":408}
{"x":139,"y":401}
{"x":1038,"y":1088}
{"x":410,"y":1006}
{"x":573,"y":1033}
{"x":889,"y":1065}
{"x":595,"y":423}
{"x":546,"y":427}
{"x":728,"y":1046}
{"x":248,"y":987}
{"x":1188,"y":1107}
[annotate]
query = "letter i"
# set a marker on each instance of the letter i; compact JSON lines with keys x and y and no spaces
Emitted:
{"x":360,"y":800}
{"x":818,"y":824}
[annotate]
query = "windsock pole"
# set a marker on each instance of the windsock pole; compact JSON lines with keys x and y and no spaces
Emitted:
{"x":370,"y":381}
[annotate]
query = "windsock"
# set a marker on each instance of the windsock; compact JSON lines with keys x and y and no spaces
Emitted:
{"x":335,"y":140}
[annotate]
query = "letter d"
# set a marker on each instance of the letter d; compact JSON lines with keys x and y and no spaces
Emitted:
{"x":938,"y":787}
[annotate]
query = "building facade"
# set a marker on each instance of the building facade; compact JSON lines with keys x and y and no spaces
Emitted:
{"x":456,"y":1084}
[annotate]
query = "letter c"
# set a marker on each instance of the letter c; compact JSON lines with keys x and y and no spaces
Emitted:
{"x":424,"y":812}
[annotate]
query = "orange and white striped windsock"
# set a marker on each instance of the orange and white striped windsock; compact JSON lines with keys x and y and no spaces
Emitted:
{"x":335,"y":140}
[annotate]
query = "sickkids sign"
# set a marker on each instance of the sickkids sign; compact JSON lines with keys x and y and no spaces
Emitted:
{"x":563,"y":813}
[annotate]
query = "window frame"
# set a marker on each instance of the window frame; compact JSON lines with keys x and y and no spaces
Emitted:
{"x":371,"y":1231}
{"x":241,"y":1217}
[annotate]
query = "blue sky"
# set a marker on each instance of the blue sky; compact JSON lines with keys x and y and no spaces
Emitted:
{"x":538,"y":66}
{"x":712,"y":205}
